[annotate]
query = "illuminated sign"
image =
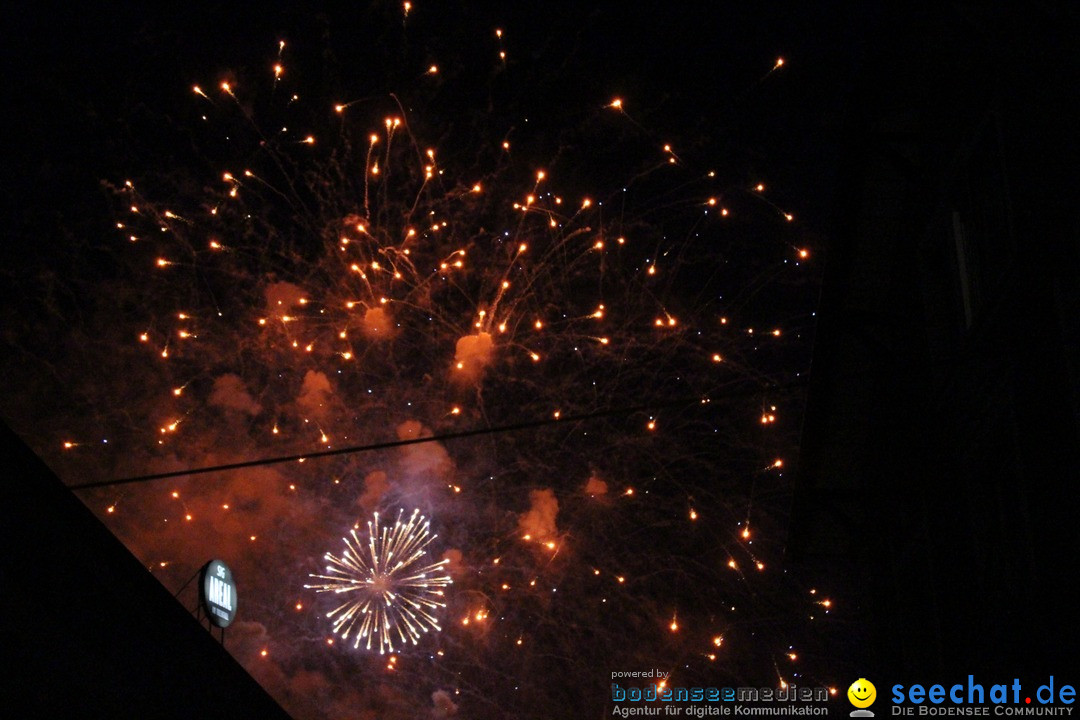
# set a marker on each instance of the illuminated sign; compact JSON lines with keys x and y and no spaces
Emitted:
{"x":217,"y":593}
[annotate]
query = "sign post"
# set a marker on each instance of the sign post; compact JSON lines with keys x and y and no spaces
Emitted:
{"x":217,"y":594}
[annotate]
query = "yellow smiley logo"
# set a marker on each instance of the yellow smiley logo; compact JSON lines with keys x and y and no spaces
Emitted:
{"x":862,"y":693}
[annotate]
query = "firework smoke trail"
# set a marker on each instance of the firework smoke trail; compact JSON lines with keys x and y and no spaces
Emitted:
{"x":392,"y":593}
{"x":325,"y":277}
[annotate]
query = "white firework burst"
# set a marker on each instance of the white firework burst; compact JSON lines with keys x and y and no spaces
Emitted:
{"x":394,"y":593}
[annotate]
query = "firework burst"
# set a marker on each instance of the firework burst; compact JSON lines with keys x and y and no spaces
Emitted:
{"x":393,"y":593}
{"x":320,"y":272}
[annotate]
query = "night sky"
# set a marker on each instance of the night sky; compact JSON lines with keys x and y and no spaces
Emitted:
{"x":361,"y":250}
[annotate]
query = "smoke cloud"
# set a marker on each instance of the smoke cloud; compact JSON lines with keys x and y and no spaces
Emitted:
{"x":539,"y":520}
{"x":594,"y":486}
{"x":377,"y":324}
{"x":472,"y":354}
{"x":315,"y":393}
{"x":230,"y":393}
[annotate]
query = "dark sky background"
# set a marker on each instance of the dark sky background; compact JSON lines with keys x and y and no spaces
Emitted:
{"x":103,"y":94}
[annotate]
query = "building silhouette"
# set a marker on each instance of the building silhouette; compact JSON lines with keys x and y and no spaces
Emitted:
{"x":86,"y":630}
{"x":939,"y":461}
